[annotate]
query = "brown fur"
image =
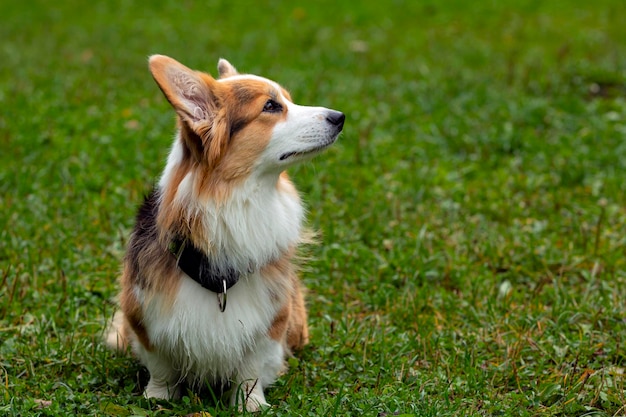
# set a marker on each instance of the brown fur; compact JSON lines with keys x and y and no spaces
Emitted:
{"x":290,"y":324}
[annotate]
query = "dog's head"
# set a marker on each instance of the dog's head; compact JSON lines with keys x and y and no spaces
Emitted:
{"x":241,"y":125}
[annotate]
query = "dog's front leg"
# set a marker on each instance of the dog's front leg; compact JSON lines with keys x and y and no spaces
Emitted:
{"x":260,"y":369}
{"x":164,"y":379}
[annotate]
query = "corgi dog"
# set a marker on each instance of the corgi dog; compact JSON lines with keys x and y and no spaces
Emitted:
{"x":209,"y":293}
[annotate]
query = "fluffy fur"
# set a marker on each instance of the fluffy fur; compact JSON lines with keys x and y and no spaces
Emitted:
{"x":223,"y":189}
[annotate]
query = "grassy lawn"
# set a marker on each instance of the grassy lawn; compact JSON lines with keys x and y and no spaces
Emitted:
{"x":472,"y":215}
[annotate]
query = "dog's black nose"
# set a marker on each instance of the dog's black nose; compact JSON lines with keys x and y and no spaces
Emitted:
{"x":336,"y":118}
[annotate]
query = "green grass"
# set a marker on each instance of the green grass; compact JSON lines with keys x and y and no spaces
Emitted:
{"x":472,"y":214}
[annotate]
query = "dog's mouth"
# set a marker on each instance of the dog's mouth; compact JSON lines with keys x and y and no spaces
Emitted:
{"x":309,"y":152}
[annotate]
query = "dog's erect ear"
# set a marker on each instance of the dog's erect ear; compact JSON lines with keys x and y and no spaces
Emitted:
{"x":191,"y":93}
{"x":226,"y":69}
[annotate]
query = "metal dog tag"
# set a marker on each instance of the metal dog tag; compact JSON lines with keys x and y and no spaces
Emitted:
{"x":222,"y":298}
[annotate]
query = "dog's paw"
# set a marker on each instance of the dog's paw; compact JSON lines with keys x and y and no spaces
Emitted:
{"x":254,"y":403}
{"x":249,"y":398}
{"x":115,"y":335}
{"x":161,"y":391}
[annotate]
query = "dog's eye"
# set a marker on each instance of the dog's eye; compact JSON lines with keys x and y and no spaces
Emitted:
{"x":272,"y":106}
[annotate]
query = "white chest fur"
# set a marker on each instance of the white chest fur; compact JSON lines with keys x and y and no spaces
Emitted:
{"x":200,"y":341}
{"x":256,"y":225}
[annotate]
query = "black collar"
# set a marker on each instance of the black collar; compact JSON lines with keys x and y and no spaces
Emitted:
{"x":197,"y":265}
